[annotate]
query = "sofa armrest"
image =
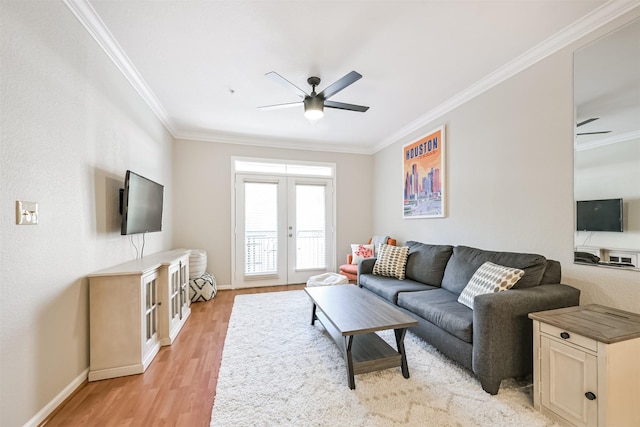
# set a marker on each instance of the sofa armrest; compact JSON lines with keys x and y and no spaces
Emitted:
{"x":503,"y":333}
{"x":365,"y":266}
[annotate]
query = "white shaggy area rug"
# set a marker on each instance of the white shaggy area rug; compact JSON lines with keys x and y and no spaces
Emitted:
{"x":278,"y":370}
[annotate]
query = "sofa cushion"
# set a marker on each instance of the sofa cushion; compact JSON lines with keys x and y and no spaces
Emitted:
{"x":441,"y":308}
{"x":389,"y":287}
{"x":552,"y":274}
{"x":391,"y":261}
{"x":465,"y":261}
{"x":489,"y":278}
{"x":426,"y":263}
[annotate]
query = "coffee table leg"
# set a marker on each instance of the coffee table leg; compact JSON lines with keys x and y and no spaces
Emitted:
{"x":400,"y":343}
{"x":313,"y":314}
{"x":348,"y":342}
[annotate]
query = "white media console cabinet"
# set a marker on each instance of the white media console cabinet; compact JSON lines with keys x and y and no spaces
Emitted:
{"x":134,"y":308}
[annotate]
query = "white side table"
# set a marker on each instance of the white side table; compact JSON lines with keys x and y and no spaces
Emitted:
{"x":586,"y":368}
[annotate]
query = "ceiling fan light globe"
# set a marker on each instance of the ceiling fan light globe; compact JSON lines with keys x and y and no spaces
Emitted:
{"x":314,"y":114}
{"x":313,"y":108}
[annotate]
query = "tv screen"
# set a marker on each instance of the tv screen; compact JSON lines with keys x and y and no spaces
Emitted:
{"x":141,"y":205}
{"x":599,"y":215}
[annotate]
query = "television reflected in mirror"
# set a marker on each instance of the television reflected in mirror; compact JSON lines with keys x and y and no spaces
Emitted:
{"x":599,"y":215}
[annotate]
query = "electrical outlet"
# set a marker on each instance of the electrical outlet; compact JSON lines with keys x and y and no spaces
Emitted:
{"x":26,"y":213}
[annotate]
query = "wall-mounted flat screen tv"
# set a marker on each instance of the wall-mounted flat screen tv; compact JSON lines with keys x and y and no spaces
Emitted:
{"x":599,"y":215}
{"x":141,"y":205}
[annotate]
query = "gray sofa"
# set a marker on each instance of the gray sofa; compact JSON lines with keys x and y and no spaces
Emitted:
{"x":495,"y":339}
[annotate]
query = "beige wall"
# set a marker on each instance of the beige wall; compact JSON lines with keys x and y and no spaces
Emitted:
{"x":70,"y":127}
{"x":202,"y":172}
{"x":510,"y":177}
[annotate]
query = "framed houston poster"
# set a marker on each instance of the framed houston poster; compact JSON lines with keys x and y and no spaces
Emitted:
{"x":424,"y":176}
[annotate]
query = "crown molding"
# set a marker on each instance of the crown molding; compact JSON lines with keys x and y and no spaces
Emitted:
{"x":270,"y":142}
{"x":587,"y":24}
{"x":89,"y":18}
{"x":624,"y":137}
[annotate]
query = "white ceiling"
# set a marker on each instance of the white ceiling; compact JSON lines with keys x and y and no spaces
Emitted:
{"x":607,"y":87}
{"x":200,"y":65}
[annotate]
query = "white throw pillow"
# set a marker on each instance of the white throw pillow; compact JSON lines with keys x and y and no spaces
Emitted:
{"x":487,"y":279}
{"x":360,"y":251}
{"x":391,"y":261}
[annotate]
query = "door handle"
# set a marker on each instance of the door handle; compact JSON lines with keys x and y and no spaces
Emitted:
{"x":589,"y":395}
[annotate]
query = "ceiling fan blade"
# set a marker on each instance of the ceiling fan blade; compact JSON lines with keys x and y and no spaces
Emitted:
{"x":593,"y":133}
{"x":280,"y":106}
{"x":592,"y":119}
{"x":343,"y":106}
{"x":279,"y":79}
{"x":337,"y":86}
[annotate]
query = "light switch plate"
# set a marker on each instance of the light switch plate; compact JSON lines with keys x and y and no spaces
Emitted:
{"x":26,"y":213}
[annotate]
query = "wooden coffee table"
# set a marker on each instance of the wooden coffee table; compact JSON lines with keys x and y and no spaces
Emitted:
{"x":352,"y":315}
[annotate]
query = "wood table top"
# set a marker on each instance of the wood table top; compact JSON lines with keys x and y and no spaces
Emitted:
{"x":353,"y":310}
{"x":604,"y":324}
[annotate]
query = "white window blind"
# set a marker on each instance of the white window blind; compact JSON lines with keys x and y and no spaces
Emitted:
{"x":311,"y":233}
{"x":261,"y":228}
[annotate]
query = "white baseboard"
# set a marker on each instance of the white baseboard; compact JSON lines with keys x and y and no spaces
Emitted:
{"x":57,"y":401}
{"x":122,"y":371}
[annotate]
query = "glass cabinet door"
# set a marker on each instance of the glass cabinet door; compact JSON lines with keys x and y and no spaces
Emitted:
{"x":174,"y":292}
{"x":150,"y":297}
{"x":184,"y":286}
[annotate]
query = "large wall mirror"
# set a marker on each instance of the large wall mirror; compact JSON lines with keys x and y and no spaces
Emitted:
{"x":607,"y":150}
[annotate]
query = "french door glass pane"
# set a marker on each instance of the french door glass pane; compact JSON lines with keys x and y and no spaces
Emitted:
{"x":261,"y":228}
{"x":311,"y":234}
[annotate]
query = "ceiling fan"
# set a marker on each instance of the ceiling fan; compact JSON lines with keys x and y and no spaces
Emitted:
{"x":314,"y":103}
{"x":584,"y":122}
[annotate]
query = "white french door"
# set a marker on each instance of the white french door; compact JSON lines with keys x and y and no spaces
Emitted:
{"x":283,"y":229}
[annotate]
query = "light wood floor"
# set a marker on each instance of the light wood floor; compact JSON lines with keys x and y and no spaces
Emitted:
{"x":178,"y":387}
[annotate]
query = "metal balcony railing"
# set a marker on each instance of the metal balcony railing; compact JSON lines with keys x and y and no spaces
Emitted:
{"x":261,"y":251}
